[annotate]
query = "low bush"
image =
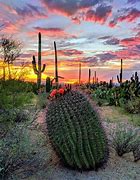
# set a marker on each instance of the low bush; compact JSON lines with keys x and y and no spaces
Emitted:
{"x":15,"y":147}
{"x":15,"y":100}
{"x":42,"y":100}
{"x":125,"y":140}
{"x":18,"y":149}
{"x":133,"y":106}
{"x":14,"y":115}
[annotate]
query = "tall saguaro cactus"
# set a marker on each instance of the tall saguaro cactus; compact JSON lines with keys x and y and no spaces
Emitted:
{"x":93,"y":81}
{"x":38,"y":70}
{"x":56,"y":66}
{"x":79,"y":73}
{"x":121,"y":71}
{"x":89,"y":75}
{"x":95,"y":77}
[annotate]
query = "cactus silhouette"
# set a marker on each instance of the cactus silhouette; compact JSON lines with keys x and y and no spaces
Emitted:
{"x":79,"y":73}
{"x":121,"y":71}
{"x":95,"y":78}
{"x":38,"y":70}
{"x":89,"y":75}
{"x":56,"y":67}
{"x":48,"y":84}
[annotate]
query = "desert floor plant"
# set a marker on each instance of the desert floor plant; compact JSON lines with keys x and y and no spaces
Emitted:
{"x":76,"y":132}
{"x":22,"y":149}
{"x":125,"y":140}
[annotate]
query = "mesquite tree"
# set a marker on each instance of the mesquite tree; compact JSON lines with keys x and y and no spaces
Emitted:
{"x":10,"y":50}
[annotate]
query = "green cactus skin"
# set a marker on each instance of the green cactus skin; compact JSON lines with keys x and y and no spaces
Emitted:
{"x":38,"y":70}
{"x":121,"y":72}
{"x":48,"y":84}
{"x":76,"y":132}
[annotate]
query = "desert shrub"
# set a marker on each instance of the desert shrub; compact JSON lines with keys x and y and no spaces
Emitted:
{"x":133,"y":106}
{"x":9,"y":117}
{"x":14,"y":94}
{"x":136,"y":151}
{"x":17,"y":85}
{"x":18,"y":149}
{"x":15,"y":100}
{"x":83,"y":87}
{"x":75,"y":130}
{"x":125,"y":139}
{"x":14,"y":115}
{"x":41,"y":100}
{"x":14,"y":149}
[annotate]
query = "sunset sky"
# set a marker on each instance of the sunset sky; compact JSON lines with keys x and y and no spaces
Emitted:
{"x":97,"y":33}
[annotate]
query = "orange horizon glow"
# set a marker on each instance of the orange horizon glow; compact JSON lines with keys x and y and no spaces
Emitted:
{"x":69,"y":73}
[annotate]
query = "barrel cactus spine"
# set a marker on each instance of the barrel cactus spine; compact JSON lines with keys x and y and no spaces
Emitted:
{"x":76,"y":132}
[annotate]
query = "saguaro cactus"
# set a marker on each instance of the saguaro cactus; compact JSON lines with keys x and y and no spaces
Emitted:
{"x":93,"y":80}
{"x":79,"y":73}
{"x":48,"y":84}
{"x":56,"y":66}
{"x":38,"y":70}
{"x":121,"y":71}
{"x":95,"y":77}
{"x":89,"y":75}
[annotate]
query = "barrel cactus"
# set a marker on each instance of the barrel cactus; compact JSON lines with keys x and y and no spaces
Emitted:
{"x":76,"y":132}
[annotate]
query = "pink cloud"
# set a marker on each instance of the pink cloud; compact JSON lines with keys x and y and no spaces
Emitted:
{"x":53,"y":32}
{"x":129,"y":16}
{"x":100,"y":15}
{"x":130,"y":41}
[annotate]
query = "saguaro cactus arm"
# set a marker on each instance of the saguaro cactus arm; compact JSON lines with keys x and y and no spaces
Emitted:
{"x":118,"y":79}
{"x":34,"y":65}
{"x":43,"y":68}
{"x":121,"y":71}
